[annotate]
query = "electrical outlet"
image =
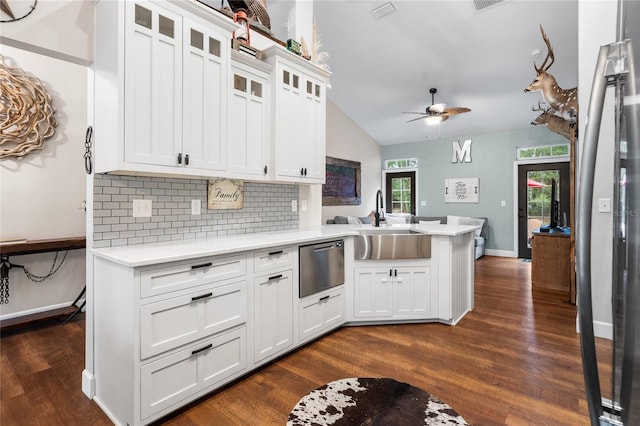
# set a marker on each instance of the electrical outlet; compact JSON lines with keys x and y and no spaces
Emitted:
{"x":196,"y":207}
{"x":604,"y":205}
{"x":142,"y":208}
{"x":294,"y":205}
{"x":303,"y":205}
{"x":423,"y":203}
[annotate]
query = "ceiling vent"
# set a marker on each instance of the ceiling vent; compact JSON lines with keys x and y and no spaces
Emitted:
{"x":481,"y":5}
{"x":383,"y":10}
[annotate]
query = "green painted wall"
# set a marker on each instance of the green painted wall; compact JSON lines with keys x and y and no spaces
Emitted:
{"x":492,"y":160}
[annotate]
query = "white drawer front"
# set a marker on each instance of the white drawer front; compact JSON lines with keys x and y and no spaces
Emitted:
{"x":177,"y":321}
{"x":172,"y":379}
{"x":320,"y":313}
{"x":184,"y":275}
{"x":274,"y":259}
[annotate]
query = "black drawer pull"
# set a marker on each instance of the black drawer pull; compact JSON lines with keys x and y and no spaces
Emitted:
{"x":197,"y":351}
{"x":204,"y":296}
{"x":324,"y":298}
{"x":204,"y":265}
{"x":275,"y":277}
{"x":273,"y":253}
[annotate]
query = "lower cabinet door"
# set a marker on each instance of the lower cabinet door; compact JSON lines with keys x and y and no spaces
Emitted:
{"x":320,"y":313}
{"x":176,"y":377}
{"x":373,"y":292}
{"x":273,"y":314}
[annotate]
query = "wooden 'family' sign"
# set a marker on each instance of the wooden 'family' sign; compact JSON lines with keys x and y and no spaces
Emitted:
{"x":225,"y":194}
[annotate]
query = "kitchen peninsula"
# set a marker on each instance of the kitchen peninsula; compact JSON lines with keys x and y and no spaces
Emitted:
{"x":174,"y":321}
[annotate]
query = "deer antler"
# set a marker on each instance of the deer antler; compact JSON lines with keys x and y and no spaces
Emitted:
{"x":544,"y":67}
{"x":533,"y":108}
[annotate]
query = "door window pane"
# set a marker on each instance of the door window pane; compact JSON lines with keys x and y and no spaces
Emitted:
{"x":197,"y":39}
{"x":143,"y":16}
{"x":401,"y":195}
{"x":214,"y":47}
{"x":239,"y":83}
{"x":539,"y":203}
{"x":256,"y":89}
{"x":166,"y":26}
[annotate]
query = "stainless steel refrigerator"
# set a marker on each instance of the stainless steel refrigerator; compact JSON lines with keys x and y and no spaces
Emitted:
{"x":617,"y":67}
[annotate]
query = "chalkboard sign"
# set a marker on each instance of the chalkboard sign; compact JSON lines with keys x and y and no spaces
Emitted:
{"x":342,"y":184}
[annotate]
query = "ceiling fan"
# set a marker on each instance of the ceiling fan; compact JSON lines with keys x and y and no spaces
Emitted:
{"x":437,"y":113}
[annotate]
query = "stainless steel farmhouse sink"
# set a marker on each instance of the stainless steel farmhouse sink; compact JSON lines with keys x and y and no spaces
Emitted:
{"x":392,"y":244}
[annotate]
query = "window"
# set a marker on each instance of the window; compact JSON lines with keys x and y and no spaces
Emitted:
{"x":403,"y":163}
{"x":543,"y":151}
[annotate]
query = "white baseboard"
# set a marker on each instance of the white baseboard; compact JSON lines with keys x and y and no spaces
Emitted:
{"x":500,"y":253}
{"x":88,"y":384}
{"x":603,"y":329}
{"x":35,"y":310}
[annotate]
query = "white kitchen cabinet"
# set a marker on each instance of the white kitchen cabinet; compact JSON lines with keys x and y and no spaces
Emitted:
{"x":273,"y":314}
{"x":394,"y":292}
{"x":160,"y":88}
{"x":299,"y":132}
{"x":167,"y":334}
{"x":248,"y":112}
{"x":320,"y":313}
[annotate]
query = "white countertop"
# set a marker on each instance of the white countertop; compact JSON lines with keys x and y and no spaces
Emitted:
{"x":155,"y":253}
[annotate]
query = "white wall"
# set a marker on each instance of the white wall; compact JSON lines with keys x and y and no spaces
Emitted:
{"x":347,"y":141}
{"x":597,"y":26}
{"x":42,"y":194}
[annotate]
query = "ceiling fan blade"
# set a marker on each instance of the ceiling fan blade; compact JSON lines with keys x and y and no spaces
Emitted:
{"x":445,"y":117}
{"x":421,"y":113}
{"x":416,"y":119}
{"x":456,"y":110}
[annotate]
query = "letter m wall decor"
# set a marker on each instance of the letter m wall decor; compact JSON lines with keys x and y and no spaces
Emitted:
{"x":461,"y":155}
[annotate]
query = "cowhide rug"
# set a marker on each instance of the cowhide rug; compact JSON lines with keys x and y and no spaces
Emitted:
{"x":364,"y":401}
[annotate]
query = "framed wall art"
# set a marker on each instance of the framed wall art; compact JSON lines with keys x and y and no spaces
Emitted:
{"x":342,"y":184}
{"x":461,"y":190}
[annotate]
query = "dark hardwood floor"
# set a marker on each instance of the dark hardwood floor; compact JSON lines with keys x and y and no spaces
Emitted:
{"x":514,"y":360}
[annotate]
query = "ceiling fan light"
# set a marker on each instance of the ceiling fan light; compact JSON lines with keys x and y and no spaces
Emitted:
{"x":432,"y":120}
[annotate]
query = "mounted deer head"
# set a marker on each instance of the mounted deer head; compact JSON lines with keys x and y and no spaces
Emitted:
{"x":552,"y":122}
{"x":565,"y":101}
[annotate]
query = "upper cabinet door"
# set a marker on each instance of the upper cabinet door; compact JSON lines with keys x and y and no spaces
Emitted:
{"x":205,"y":62}
{"x":153,"y":84}
{"x":248,"y":132}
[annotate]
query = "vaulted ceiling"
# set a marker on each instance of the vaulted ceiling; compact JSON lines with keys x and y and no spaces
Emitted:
{"x":477,"y":58}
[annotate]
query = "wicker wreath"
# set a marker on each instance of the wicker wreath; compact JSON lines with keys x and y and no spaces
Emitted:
{"x":26,"y":113}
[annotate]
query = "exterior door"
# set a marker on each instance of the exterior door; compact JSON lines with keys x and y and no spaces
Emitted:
{"x":400,"y":194}
{"x":534,"y":199}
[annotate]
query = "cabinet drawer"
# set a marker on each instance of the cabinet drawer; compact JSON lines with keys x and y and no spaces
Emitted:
{"x":273,"y":259}
{"x":177,"y":321}
{"x":321,"y":312}
{"x":173,"y":378}
{"x":189,"y":274}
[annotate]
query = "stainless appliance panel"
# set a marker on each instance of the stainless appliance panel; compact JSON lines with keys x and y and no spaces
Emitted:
{"x":321,"y":267}
{"x":392,"y":246}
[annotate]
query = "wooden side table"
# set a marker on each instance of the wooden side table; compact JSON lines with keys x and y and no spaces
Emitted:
{"x":551,"y":260}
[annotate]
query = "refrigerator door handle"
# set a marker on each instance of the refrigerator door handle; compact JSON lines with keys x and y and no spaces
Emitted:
{"x":583,"y":237}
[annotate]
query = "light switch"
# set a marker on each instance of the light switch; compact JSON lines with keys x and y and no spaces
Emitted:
{"x":503,"y":203}
{"x":604,"y":205}
{"x":423,"y":203}
{"x":196,"y":207}
{"x":294,"y":205}
{"x":303,"y":205}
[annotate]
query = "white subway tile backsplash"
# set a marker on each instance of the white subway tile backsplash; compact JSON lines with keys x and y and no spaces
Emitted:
{"x":267,"y":207}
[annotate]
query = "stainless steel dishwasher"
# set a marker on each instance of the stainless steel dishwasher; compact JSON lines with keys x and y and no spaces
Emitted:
{"x":321,"y":267}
